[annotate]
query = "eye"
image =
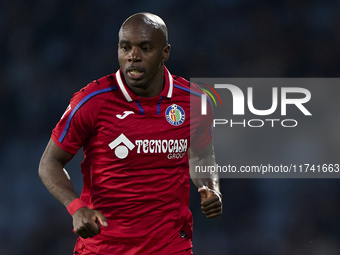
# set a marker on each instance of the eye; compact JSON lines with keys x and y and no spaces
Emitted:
{"x":146,"y":48}
{"x":124,"y":47}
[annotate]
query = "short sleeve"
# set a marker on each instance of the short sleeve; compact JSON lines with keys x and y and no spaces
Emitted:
{"x":75,"y":125}
{"x":201,"y":127}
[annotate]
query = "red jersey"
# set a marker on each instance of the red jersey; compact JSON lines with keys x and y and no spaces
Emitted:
{"x":136,"y":169}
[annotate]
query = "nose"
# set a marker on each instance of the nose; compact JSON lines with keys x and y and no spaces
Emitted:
{"x":134,"y":55}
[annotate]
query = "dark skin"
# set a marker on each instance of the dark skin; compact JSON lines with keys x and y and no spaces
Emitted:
{"x":142,"y":50}
{"x":211,"y":204}
{"x":86,"y":222}
{"x":209,"y":186}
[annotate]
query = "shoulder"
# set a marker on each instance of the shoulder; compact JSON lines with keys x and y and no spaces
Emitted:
{"x":105,"y":84}
{"x":181,"y":83}
{"x":192,"y":89}
{"x":183,"y":87}
{"x":95,"y":88}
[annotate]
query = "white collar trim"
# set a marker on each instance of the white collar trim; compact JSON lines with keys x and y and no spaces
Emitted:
{"x":126,"y":93}
{"x":171,"y":84}
{"x":122,"y":87}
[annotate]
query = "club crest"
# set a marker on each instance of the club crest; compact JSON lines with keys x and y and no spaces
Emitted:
{"x":175,"y":115}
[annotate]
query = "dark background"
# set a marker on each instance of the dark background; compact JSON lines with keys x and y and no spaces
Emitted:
{"x":50,"y":49}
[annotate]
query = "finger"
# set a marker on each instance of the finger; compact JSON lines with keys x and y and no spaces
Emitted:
{"x":212,"y":211}
{"x":82,"y":234}
{"x":214,"y":205}
{"x":209,"y":200}
{"x":207,"y":193}
{"x":88,"y":228}
{"x":213,"y":215}
{"x":85,"y":232}
{"x":101,"y":218}
{"x":94,"y":227}
{"x":97,"y":229}
{"x":203,"y":191}
{"x":91,"y":229}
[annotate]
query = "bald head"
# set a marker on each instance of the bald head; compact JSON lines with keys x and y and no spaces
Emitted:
{"x":147,"y":20}
{"x":142,"y":50}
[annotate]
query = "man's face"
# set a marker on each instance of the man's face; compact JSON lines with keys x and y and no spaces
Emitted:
{"x":141,"y":50}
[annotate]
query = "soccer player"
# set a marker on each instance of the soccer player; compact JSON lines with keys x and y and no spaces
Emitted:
{"x":136,"y":128}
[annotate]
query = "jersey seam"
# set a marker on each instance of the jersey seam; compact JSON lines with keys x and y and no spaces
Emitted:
{"x":72,"y":114}
{"x":99,"y":110}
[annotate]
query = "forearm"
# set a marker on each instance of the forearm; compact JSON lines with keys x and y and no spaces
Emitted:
{"x":57,"y":181}
{"x":211,"y":181}
{"x":204,"y":178}
{"x":207,"y":182}
{"x":54,"y":176}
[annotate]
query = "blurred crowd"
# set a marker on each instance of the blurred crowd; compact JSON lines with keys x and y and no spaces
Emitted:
{"x":50,"y":49}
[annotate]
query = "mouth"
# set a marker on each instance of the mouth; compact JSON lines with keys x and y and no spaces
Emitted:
{"x":134,"y":73}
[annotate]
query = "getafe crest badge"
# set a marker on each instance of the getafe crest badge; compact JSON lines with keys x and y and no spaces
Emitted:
{"x":175,"y":115}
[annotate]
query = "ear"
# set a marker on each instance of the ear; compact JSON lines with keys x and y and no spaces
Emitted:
{"x":166,"y":52}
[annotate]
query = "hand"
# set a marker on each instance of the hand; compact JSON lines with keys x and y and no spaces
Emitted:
{"x":88,"y":222}
{"x":211,"y":202}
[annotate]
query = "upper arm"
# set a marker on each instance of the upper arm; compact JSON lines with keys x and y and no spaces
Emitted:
{"x":201,"y":127}
{"x":204,"y":157}
{"x":53,"y":153}
{"x":203,"y":153}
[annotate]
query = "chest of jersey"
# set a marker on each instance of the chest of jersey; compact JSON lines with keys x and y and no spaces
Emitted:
{"x":143,"y":132}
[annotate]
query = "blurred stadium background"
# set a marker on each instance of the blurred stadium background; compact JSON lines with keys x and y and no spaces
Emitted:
{"x":50,"y":49}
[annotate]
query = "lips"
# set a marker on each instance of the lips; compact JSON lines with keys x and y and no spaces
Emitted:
{"x":134,"y":73}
